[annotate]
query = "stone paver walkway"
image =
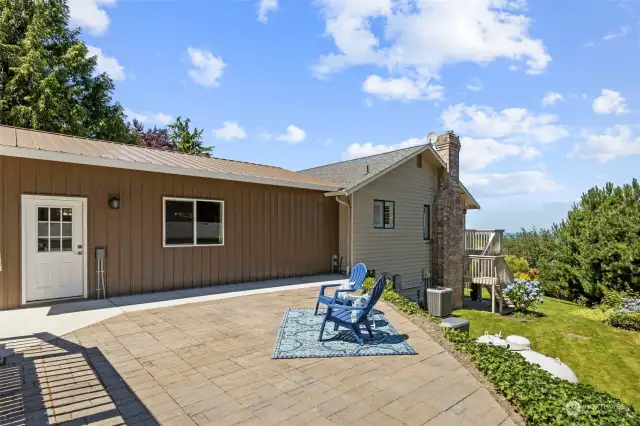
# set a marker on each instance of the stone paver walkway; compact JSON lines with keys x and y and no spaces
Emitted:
{"x":210,"y":364}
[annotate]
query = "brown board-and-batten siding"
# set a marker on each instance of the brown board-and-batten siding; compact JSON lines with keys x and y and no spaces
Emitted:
{"x":270,"y":232}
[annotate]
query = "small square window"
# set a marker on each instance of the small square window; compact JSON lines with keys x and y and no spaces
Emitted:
{"x":384,"y":215}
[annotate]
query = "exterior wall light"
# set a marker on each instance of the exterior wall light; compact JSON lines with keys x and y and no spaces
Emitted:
{"x":114,"y":203}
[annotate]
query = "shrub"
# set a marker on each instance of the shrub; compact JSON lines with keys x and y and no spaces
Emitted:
{"x":630,"y":306}
{"x":403,"y":304}
{"x":518,"y":265}
{"x":524,"y":295}
{"x":624,"y":320}
{"x":542,"y":398}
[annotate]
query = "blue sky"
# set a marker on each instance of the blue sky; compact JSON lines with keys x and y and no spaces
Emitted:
{"x":543,"y":94}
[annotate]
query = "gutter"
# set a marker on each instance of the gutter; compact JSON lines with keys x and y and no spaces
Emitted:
{"x":349,"y":231}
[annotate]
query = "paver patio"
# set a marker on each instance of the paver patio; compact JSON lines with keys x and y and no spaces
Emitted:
{"x":210,"y":363}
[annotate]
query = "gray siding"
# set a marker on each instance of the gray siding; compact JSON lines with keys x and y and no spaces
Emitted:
{"x":401,"y":250}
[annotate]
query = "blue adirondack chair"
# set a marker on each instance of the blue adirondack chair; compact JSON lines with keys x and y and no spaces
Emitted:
{"x":358,"y":274}
{"x":340,"y":315}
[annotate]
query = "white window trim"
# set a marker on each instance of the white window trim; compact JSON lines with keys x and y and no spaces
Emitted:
{"x":195,"y":222}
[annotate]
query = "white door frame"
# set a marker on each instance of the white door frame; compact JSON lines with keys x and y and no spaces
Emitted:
{"x":85,"y":246}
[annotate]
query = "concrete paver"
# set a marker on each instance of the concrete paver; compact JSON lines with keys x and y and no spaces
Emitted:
{"x":210,"y":363}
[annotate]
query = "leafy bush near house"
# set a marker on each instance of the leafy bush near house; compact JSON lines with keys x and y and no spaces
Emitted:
{"x":627,"y":321}
{"x":524,"y":295}
{"x":542,"y":398}
{"x":403,"y":304}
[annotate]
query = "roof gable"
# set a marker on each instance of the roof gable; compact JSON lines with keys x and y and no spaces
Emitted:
{"x":352,"y":175}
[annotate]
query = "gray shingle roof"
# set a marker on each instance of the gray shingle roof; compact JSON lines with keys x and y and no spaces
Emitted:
{"x":352,"y":173}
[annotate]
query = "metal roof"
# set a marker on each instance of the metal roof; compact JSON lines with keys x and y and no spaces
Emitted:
{"x":17,"y":142}
{"x":352,"y":175}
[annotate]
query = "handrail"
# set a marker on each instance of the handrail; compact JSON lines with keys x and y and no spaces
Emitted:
{"x":484,"y":241}
{"x":489,"y":270}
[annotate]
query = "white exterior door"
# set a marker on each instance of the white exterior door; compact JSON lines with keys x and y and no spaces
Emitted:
{"x":53,"y":247}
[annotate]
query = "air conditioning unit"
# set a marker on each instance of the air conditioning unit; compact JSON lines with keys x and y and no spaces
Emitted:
{"x":440,"y":301}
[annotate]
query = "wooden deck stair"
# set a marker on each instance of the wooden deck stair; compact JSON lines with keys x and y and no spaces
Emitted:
{"x":485,"y":265}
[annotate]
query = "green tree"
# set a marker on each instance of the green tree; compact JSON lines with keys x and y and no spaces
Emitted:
{"x":47,"y":82}
{"x":599,"y":243}
{"x":182,"y":139}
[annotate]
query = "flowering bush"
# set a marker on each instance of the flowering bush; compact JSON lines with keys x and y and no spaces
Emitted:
{"x":630,"y":306}
{"x":524,"y":294}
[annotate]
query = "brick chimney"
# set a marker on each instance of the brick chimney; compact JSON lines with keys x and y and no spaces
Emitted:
{"x":448,"y":247}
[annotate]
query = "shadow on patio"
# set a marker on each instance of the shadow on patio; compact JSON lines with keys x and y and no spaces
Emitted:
{"x":50,"y":380}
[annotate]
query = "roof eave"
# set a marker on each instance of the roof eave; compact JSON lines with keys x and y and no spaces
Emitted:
{"x":474,"y":204}
{"x":63,"y":157}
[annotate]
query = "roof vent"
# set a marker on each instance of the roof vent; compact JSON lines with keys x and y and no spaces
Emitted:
{"x":367,"y":170}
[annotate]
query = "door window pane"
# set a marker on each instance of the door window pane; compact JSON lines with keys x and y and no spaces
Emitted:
{"x":55,"y":214}
{"x":66,"y":230}
{"x":43,"y":214}
{"x":55,"y":229}
{"x":66,"y":215}
{"x":209,"y":222}
{"x":43,"y":229}
{"x":43,"y":244}
{"x":178,"y":222}
{"x":66,"y":244}
{"x":54,"y":244}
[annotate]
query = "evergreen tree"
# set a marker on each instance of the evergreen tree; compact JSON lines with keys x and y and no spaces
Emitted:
{"x":599,"y":243}
{"x":182,"y":139}
{"x":47,"y":82}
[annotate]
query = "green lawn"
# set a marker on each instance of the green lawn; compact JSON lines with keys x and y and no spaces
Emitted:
{"x":609,"y":360}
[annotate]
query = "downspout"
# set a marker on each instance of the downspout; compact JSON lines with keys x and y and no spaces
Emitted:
{"x":349,"y":232}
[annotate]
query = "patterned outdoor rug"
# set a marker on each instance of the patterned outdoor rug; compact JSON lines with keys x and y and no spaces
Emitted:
{"x":298,"y":338}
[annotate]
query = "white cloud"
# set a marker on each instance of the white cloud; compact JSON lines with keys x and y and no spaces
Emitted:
{"x":475,"y":85}
{"x":230,"y":130}
{"x":357,"y":150}
{"x":610,"y":102}
{"x":264,"y":7}
{"x":515,"y":124}
{"x":615,"y":142}
{"x":146,"y":117}
{"x":293,"y":135}
{"x":551,"y":98}
{"x":208,"y":68}
{"x":163,"y":118}
{"x":90,"y":15}
{"x":417,"y":38}
{"x":624,"y":30}
{"x":477,"y":154}
{"x":106,"y":64}
{"x":403,"y":89}
{"x":503,"y":184}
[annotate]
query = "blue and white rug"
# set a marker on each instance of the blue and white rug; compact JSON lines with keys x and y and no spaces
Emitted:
{"x":298,"y":338}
